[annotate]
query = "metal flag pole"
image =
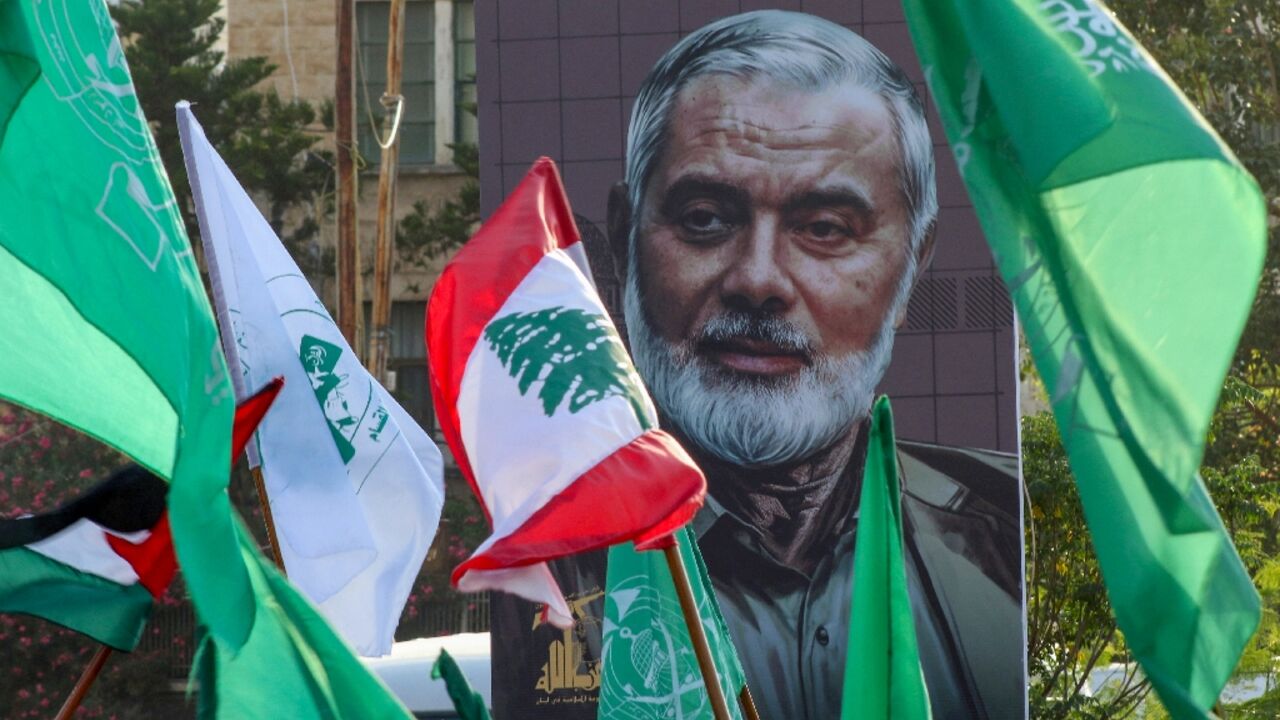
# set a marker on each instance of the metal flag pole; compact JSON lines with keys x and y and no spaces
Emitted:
{"x":87,"y":677}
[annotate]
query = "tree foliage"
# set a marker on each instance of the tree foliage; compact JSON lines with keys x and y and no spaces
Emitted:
{"x":264,"y":138}
{"x":426,"y":234}
{"x":1224,"y":55}
{"x":44,"y":465}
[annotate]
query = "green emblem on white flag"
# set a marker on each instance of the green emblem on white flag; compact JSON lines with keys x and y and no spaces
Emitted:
{"x":320,"y":358}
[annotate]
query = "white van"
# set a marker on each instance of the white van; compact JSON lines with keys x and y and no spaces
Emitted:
{"x":407,"y":671}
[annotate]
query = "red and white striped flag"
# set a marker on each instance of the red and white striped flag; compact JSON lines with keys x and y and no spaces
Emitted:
{"x":541,"y":405}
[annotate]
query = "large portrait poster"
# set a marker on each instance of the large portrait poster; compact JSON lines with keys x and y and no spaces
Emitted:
{"x":777,"y":224}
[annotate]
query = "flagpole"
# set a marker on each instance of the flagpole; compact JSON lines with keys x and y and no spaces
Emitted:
{"x":267,"y":519}
{"x":227,"y":329}
{"x":344,"y":139}
{"x":87,"y":677}
{"x":748,"y":704}
{"x":710,"y":678}
{"x":379,"y":338}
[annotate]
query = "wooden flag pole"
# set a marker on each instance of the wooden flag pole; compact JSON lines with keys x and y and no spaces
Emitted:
{"x":383,"y":263}
{"x":748,"y":704}
{"x":710,"y":678}
{"x":268,"y":519}
{"x":344,"y":139}
{"x":83,"y":684}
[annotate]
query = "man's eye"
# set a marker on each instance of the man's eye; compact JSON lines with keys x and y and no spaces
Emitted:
{"x":825,"y":231}
{"x":703,"y":221}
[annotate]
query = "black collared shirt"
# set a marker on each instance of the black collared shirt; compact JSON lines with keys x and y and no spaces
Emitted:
{"x":791,"y":628}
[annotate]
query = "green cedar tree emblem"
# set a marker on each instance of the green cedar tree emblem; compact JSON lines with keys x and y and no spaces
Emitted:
{"x":577,"y":356}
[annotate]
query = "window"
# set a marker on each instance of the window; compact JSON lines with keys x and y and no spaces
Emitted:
{"x":464,"y":56}
{"x":418,"y":125}
{"x":407,"y":358}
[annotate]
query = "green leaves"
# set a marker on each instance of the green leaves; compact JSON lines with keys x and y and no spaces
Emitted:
{"x":170,"y":46}
{"x":577,"y":357}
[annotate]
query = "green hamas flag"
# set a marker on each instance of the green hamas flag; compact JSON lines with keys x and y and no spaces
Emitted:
{"x":107,"y":329}
{"x":1132,"y":241}
{"x":106,"y":324}
{"x":882,"y":676}
{"x":293,"y":665}
{"x":650,"y":671}
{"x":467,"y":702}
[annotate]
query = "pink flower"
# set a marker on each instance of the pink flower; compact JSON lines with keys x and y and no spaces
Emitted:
{"x":85,"y":474}
{"x":45,"y":442}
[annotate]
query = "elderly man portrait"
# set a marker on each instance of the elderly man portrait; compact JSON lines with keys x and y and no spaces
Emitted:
{"x":778,"y":208}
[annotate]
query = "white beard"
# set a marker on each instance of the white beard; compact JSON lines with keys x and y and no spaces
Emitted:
{"x":756,"y":422}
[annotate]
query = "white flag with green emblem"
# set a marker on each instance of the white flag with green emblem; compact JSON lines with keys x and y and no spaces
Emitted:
{"x":354,"y":483}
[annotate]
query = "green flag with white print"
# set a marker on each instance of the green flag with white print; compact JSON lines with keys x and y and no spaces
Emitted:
{"x":1132,"y":241}
{"x":649,"y":668}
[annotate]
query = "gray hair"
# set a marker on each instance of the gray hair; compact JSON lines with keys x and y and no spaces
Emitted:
{"x":804,"y":51}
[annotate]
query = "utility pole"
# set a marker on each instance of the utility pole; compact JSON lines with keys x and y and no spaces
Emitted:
{"x":380,"y":338}
{"x":344,"y":107}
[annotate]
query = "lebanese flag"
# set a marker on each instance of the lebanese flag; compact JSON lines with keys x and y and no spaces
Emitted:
{"x":540,"y":403}
{"x":97,"y":564}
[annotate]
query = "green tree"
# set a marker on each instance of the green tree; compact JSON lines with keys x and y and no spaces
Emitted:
{"x":1223,"y":54}
{"x":425,"y":235}
{"x":170,"y":48}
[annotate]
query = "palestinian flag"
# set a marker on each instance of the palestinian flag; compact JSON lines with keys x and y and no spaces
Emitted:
{"x":94,"y":565}
{"x":541,"y":405}
{"x":97,"y":564}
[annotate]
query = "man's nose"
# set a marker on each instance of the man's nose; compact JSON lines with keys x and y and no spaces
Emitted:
{"x":757,"y":279}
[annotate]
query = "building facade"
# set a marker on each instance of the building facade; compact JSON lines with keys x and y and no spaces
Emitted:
{"x":299,"y":38}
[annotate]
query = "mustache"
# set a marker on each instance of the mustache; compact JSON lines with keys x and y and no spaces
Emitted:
{"x":739,"y":326}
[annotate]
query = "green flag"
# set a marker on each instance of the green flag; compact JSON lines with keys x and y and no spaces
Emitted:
{"x":468,"y":702}
{"x":1132,"y":241}
{"x":650,"y":671}
{"x":292,"y":666}
{"x":107,"y":329}
{"x":882,"y":676}
{"x":106,"y":324}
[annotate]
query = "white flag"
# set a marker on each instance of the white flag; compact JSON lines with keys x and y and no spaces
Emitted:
{"x":353,"y":482}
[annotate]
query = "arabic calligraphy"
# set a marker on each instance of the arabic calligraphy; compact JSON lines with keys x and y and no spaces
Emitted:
{"x":567,"y":668}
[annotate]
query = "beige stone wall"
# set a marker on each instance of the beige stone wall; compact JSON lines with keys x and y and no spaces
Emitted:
{"x":295,"y":35}
{"x":298,"y":37}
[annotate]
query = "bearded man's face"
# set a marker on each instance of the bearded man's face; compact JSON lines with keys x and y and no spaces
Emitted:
{"x":770,"y":262}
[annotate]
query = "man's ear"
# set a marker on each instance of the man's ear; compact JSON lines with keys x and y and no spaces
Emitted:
{"x":619,"y":227}
{"x":924,"y":256}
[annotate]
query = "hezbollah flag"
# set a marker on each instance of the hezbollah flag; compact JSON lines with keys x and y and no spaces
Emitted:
{"x":883,"y":679}
{"x":649,"y":669}
{"x":106,"y":328}
{"x":97,"y":564}
{"x":541,"y":405}
{"x":1132,"y":240}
